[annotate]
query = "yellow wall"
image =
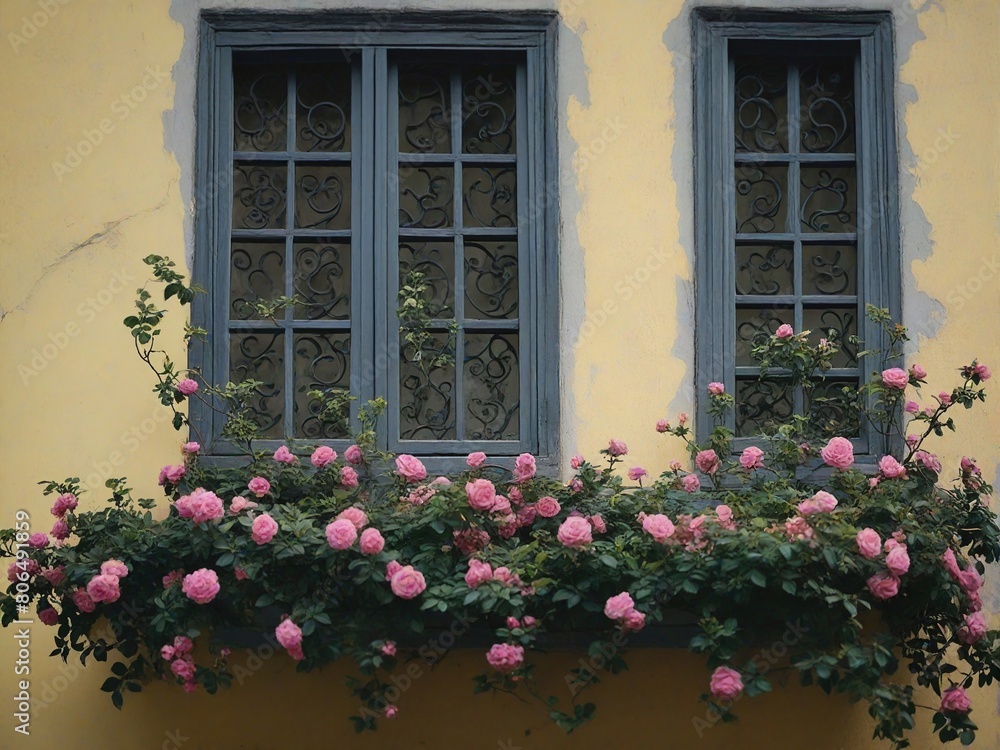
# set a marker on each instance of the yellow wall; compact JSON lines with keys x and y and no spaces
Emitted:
{"x":74,"y":401}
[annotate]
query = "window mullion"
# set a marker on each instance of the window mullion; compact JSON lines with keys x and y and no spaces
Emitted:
{"x":288,"y":339}
{"x":362,"y":229}
{"x":385,"y":215}
{"x":456,"y":148}
{"x":794,"y":225}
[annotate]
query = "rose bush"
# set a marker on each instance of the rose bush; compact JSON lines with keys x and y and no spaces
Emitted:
{"x":357,"y":552}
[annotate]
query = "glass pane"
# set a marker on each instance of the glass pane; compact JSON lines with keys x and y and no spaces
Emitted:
{"x":322,"y":363}
{"x":259,"y":96}
{"x":323,"y":279}
{"x":492,"y":386}
{"x":323,"y":107}
{"x":760,"y":198}
{"x":259,"y":196}
{"x":491,"y":287}
{"x":829,"y":269}
{"x":837,"y":324}
{"x":424,"y":109}
{"x":832,"y":407}
{"x":425,"y":196}
{"x":427,"y":390}
{"x":761,"y":107}
{"x":762,"y":406}
{"x":490,"y":196}
{"x":322,"y":196}
{"x":765,"y":269}
{"x":256,"y":272}
{"x":828,"y":199}
{"x":260,"y":356}
{"x":755,"y":323}
{"x":827,"y":99}
{"x":488,"y":109}
{"x":435,"y":261}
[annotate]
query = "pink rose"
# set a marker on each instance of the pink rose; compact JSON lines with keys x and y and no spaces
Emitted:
{"x":83,"y":601}
{"x":172,"y":474}
{"x":38,"y":540}
{"x":883,"y":585}
{"x":355,"y":515}
{"x":410,"y":468}
{"x":577,"y":461}
{"x":616,"y":607}
{"x":259,"y":486}
{"x":371,"y":542}
{"x":264,"y":528}
{"x":348,"y":478}
{"x":784,"y":331}
{"x":911,"y":407}
{"x":503,"y":575}
{"x":974,"y":628}
{"x":838,"y":453}
{"x":634,"y":621}
{"x":726,"y":684}
{"x":407,"y":582}
{"x":323,"y":456}
{"x":202,"y":586}
{"x":955,"y":701}
{"x":65,"y":502}
{"x":421,"y":495}
{"x":240,"y":503}
{"x":707,"y":461}
{"x":575,"y":532}
{"x":388,"y":648}
{"x":982,"y":371}
{"x":174,"y":576}
{"x":289,"y":635}
{"x":821,"y":502}
{"x":240,"y":574}
{"x":55,"y":576}
{"x":104,"y":588}
{"x":478,"y":573}
{"x":353,"y":455}
{"x":470,"y":540}
{"x":524,"y":467}
{"x":547,"y":507}
{"x":597,"y":521}
{"x":798,"y":528}
{"x":636,"y":473}
{"x":750,"y":458}
{"x":725,"y":515}
{"x":187,"y":386}
{"x":691,"y":483}
{"x":504,"y":657}
{"x":191,"y":448}
{"x":898,"y":560}
{"x":206,"y":506}
{"x":183,"y":645}
{"x":617,"y":447}
{"x":682,"y":418}
{"x":895,"y":378}
{"x":917,"y":372}
{"x":182,"y":668}
{"x":475,"y":460}
{"x":526,"y":515}
{"x":285,"y":456}
{"x":575,"y":485}
{"x":869,"y":543}
{"x":970,"y":580}
{"x":658,"y":526}
{"x":341,"y":534}
{"x":48,"y":616}
{"x":716,"y":388}
{"x":391,"y":710}
{"x":928,"y":460}
{"x":481,"y":494}
{"x":912,"y":440}
{"x":891,"y":468}
{"x":662,"y":426}
{"x":114,"y":568}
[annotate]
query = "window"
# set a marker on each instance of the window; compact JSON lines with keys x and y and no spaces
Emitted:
{"x":795,"y":201}
{"x":344,"y":163}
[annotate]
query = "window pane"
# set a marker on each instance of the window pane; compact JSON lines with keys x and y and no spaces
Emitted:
{"x":754,"y":324}
{"x":256,"y":272}
{"x":492,"y":386}
{"x":322,"y":196}
{"x":489,"y":196}
{"x":323,"y":279}
{"x":488,"y":109}
{"x":835,"y":323}
{"x":765,"y":269}
{"x":827,"y":99}
{"x":259,"y":96}
{"x":259,"y":196}
{"x":829,"y":407}
{"x":761,"y":106}
{"x":425,"y":196}
{"x":424,"y":109}
{"x":762,"y":406}
{"x":491,"y":287}
{"x":260,"y":356}
{"x":828,"y":199}
{"x":323,"y":107}
{"x":829,"y":269}
{"x":323,"y":363}
{"x":760,"y":198}
{"x":435,"y":261}
{"x":427,"y":390}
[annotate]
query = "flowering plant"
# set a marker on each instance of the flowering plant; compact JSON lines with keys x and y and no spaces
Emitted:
{"x":353,"y":552}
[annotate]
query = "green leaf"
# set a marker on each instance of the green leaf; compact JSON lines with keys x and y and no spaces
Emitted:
{"x":609,"y":561}
{"x":758,"y":578}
